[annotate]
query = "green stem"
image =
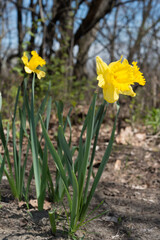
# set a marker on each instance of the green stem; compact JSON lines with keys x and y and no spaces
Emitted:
{"x":34,"y":144}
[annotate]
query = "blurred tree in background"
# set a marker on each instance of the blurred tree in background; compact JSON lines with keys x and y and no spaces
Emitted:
{"x":70,"y":33}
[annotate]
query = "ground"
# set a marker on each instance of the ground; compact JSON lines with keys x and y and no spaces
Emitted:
{"x":129,"y":189}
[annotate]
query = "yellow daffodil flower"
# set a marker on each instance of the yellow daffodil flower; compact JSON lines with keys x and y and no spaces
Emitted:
{"x":117,"y":78}
{"x":35,"y":61}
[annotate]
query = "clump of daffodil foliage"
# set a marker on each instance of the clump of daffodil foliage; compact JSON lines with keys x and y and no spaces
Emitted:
{"x":74,"y":170}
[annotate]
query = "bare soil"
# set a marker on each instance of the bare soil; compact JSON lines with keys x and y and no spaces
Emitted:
{"x":129,"y":187}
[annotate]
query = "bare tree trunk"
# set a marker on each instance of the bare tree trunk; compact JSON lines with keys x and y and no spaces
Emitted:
{"x":2,"y":7}
{"x":33,"y":6}
{"x":42,"y":47}
{"x":51,"y":28}
{"x":19,"y":27}
{"x":80,"y":68}
{"x":141,"y":32}
{"x":98,"y":9}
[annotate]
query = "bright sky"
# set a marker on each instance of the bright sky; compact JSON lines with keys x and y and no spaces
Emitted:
{"x":10,"y":41}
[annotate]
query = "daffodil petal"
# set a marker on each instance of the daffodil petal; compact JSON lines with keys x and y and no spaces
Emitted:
{"x":110,"y":94}
{"x":35,"y":61}
{"x":129,"y":92}
{"x":101,"y":66}
{"x":138,"y":76}
{"x":27,"y":69}
{"x":40,"y":74}
{"x":42,"y":62}
{"x":25,"y":58}
{"x":115,"y":65}
{"x":38,"y":58}
{"x":34,"y":53}
{"x":101,"y":80}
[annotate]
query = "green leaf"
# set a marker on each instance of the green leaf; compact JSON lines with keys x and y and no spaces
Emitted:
{"x":75,"y":203}
{"x":43,"y":178}
{"x":36,"y":166}
{"x":42,"y":107}
{"x":0,"y":101}
{"x":4,"y":142}
{"x":101,"y":167}
{"x":2,"y":161}
{"x":70,"y":127}
{"x":31,"y":172}
{"x":85,"y":159}
{"x":65,"y":146}
{"x":57,"y":161}
{"x":59,"y":106}
{"x":98,"y":121}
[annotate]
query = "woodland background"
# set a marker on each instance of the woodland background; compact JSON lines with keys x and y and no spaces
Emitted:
{"x":69,"y":34}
